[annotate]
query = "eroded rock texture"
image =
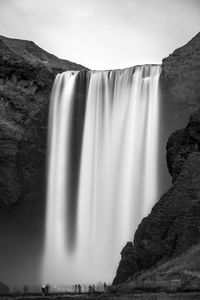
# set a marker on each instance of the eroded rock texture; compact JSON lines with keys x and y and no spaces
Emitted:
{"x":26,"y":76}
{"x":181,"y":74}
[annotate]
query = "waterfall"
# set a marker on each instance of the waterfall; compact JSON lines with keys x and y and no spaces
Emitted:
{"x":117,"y":175}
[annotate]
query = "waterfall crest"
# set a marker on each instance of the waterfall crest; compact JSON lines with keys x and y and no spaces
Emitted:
{"x":118,"y":176}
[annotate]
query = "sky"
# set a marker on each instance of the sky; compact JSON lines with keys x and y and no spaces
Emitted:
{"x":103,"y":34}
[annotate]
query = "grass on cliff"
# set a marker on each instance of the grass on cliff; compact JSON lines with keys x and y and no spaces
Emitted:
{"x":177,"y":274}
{"x":188,"y":262}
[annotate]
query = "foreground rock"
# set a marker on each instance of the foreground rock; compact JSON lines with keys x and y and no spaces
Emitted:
{"x":177,"y":274}
{"x":138,"y":296}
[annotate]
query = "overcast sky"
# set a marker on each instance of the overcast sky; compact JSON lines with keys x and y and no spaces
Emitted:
{"x":103,"y":34}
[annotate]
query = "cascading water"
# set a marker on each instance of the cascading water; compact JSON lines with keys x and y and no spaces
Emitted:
{"x":58,"y":172}
{"x":117,"y":183}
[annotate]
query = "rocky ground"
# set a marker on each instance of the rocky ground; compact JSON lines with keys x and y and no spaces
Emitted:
{"x":149,"y":296}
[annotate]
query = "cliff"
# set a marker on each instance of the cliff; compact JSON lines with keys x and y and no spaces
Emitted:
{"x":173,"y":226}
{"x":26,"y":76}
{"x":27,"y":73}
{"x":181,"y":75}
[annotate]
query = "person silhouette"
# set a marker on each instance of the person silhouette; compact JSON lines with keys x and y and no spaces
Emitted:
{"x":79,"y":288}
{"x":105,"y":287}
{"x":90,"y":289}
{"x":47,"y":288}
{"x":43,"y":289}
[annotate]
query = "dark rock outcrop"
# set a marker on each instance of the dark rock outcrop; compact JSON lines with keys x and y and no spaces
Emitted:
{"x":181,"y":143}
{"x":180,"y":274}
{"x":181,"y":75}
{"x":27,"y":73}
{"x":173,"y":225}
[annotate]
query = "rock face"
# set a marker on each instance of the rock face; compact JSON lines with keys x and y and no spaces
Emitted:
{"x":179,"y":274}
{"x":26,"y":76}
{"x":27,"y":73}
{"x":173,"y":225}
{"x":181,"y":143}
{"x":181,"y":75}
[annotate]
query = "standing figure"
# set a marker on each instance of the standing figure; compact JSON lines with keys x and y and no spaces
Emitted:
{"x":76,"y":288}
{"x":90,"y":289}
{"x":79,"y":288}
{"x":105,"y":287}
{"x":47,"y":288}
{"x":43,"y":289}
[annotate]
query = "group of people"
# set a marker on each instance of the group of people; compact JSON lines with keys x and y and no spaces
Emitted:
{"x":45,"y":289}
{"x":91,"y":288}
{"x":77,"y":289}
